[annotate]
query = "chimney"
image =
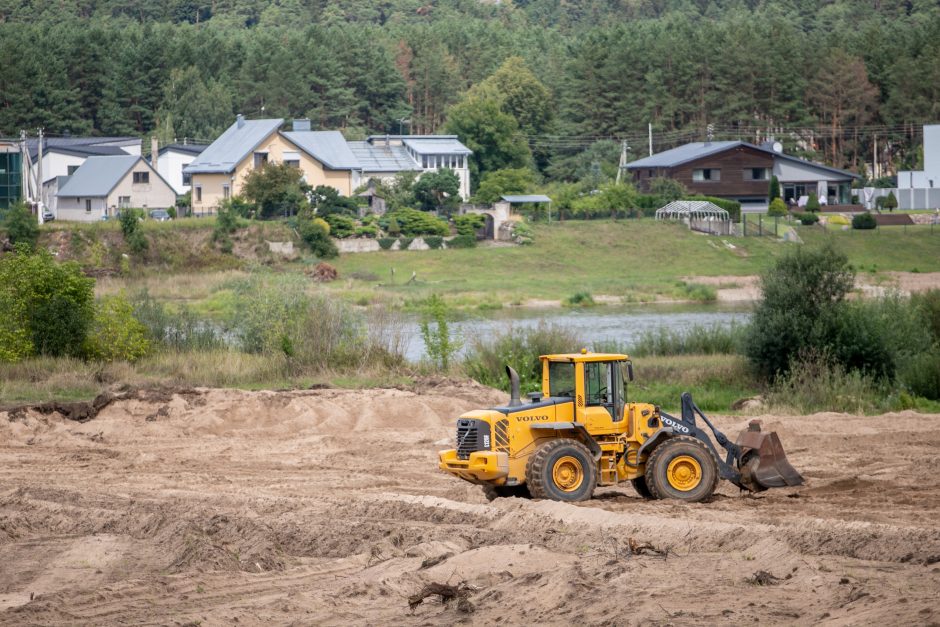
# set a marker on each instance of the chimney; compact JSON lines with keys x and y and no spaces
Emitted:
{"x":240,"y":120}
{"x":301,"y":124}
{"x":154,"y":151}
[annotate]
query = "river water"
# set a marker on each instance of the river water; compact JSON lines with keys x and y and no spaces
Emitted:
{"x":622,"y":325}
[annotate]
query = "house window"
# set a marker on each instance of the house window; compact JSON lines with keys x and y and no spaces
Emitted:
{"x":142,"y":178}
{"x":226,"y":191}
{"x":71,"y":169}
{"x":706,"y":175}
{"x":756,"y":174}
{"x":261,"y":158}
{"x":198,"y":193}
{"x":88,"y":205}
{"x":292,"y":159}
{"x":652,"y":173}
{"x":187,"y":177}
{"x":424,"y":161}
{"x":124,"y":202}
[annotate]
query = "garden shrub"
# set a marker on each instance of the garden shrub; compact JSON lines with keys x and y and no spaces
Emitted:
{"x":316,"y":234}
{"x":777,"y":207}
{"x":404,"y":242}
{"x":341,"y":226}
{"x":367,"y":230}
{"x":733,"y":207}
{"x":807,"y":219}
{"x":412,"y":222}
{"x":812,"y":204}
{"x":863,"y":221}
{"x":386,"y":243}
{"x":434,"y":241}
{"x":462,"y":241}
{"x":891,"y":203}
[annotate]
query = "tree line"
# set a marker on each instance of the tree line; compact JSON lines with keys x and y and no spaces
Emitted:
{"x":531,"y":84}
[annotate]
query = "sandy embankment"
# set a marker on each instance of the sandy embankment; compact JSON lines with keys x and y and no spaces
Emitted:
{"x":216,"y":506}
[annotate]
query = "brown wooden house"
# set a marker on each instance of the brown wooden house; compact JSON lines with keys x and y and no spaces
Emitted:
{"x":740,"y":171}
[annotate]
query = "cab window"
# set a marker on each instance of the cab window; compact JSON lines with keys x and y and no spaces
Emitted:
{"x":561,"y":379}
{"x":602,"y":387}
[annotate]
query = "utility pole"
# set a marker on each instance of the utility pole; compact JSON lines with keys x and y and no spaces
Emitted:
{"x":39,"y":207}
{"x":874,"y":158}
{"x":650,"y":127}
{"x":624,"y":147}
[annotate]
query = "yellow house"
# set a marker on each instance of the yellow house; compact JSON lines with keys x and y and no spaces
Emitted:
{"x":220,"y":171}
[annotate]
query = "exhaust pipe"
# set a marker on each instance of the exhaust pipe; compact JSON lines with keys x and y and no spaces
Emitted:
{"x":514,"y":400}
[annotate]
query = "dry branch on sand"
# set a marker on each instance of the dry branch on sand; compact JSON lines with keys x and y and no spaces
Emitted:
{"x":447,"y":593}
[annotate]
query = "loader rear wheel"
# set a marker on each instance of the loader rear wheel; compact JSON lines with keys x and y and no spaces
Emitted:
{"x":492,"y":492}
{"x":639,"y":484}
{"x":682,"y":468}
{"x":561,"y":470}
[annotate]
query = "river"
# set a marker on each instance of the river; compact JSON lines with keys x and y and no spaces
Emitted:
{"x":618,"y":324}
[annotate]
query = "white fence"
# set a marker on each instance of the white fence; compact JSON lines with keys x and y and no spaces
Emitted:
{"x":917,"y":198}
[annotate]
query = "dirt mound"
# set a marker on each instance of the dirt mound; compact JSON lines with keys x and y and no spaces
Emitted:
{"x":308,"y":506}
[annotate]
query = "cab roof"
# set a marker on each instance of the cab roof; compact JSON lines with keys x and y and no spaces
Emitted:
{"x":584,"y":356}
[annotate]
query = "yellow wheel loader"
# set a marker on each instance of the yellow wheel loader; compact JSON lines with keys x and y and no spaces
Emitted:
{"x":581,"y":432}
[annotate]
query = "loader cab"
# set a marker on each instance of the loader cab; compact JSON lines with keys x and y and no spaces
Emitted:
{"x":596,"y":382}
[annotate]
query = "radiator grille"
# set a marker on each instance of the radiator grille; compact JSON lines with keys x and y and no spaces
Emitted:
{"x":472,"y":435}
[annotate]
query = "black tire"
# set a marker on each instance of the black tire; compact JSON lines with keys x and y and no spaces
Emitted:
{"x":492,"y":492}
{"x":639,"y":484}
{"x":556,"y":462}
{"x":699,"y":476}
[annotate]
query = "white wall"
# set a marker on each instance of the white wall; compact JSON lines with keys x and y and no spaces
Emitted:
{"x":170,"y":165}
{"x":73,"y":209}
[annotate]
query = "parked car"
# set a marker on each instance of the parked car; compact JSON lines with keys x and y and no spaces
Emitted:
{"x":47,"y":216}
{"x":160,"y":215}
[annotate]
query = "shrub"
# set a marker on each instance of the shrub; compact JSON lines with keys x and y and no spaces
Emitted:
{"x":697,"y":340}
{"x":341,"y":226}
{"x":316,"y":234}
{"x":700,"y":293}
{"x":579,"y":299}
{"x":927,"y":305}
{"x":487,"y":356}
{"x":115,"y":334}
{"x":807,"y":219}
{"x":469,"y":224}
{"x":47,"y":306}
{"x":434,"y":241}
{"x":775,"y":190}
{"x":276,"y":189}
{"x":813,"y":383}
{"x":462,"y":241}
{"x":891,"y":203}
{"x":839,"y":219}
{"x":863,"y":221}
{"x":385,"y":243}
{"x":404,"y":242}
{"x":812,"y":204}
{"x":733,"y":207}
{"x":412,"y":222}
{"x":777,"y":207}
{"x":226,"y":223}
{"x":667,"y":189}
{"x":921,"y":375}
{"x":367,"y":230}
{"x":802,"y":298}
{"x":880,"y":203}
{"x":21,"y":225}
{"x":522,"y":233}
{"x":179,"y":330}
{"x":439,"y":346}
{"x":132,"y":230}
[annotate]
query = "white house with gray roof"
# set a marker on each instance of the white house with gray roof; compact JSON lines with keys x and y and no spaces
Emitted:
{"x":102,"y":185}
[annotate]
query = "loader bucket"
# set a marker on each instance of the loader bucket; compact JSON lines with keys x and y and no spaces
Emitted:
{"x":764,"y":463}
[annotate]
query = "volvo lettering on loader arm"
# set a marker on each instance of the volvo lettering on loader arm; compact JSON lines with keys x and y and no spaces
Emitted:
{"x":581,"y":432}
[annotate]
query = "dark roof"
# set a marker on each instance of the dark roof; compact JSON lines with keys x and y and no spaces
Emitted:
{"x":98,"y":176}
{"x":190,"y":149}
{"x":382,"y":158}
{"x":238,"y":141}
{"x":327,"y":147}
{"x":698,"y":150}
{"x":80,"y":146}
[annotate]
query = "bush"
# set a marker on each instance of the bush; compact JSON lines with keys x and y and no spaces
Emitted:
{"x":700,"y":293}
{"x":392,"y":226}
{"x":276,"y":189}
{"x":667,"y":189}
{"x":921,"y":375}
{"x":412,"y":222}
{"x":807,"y":219}
{"x":341,"y":226}
{"x":178,"y":330}
{"x":21,"y":226}
{"x":927,"y":305}
{"x":385,"y":243}
{"x":47,"y":306}
{"x":579,"y":299}
{"x":404,"y":242}
{"x":777,"y":207}
{"x":439,"y":346}
{"x":115,"y":334}
{"x":487,"y":356}
{"x":775,"y":190}
{"x":522,"y":233}
{"x":316,"y":234}
{"x":863,"y":221}
{"x":226,"y":223}
{"x":697,"y":340}
{"x":469,"y":224}
{"x":812,"y":204}
{"x":733,"y":207}
{"x":434,"y":242}
{"x":367,"y":230}
{"x":462,"y":241}
{"x":802,"y":299}
{"x":891,"y":203}
{"x":132,"y":230}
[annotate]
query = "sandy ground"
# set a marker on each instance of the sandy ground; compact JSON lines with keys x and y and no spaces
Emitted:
{"x":219,"y":507}
{"x":747,"y":288}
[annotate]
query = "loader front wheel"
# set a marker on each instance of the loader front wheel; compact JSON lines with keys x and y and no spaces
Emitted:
{"x":639,"y":484}
{"x":562,"y":470}
{"x":682,"y":468}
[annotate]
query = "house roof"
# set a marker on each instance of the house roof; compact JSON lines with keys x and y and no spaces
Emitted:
{"x":382,"y":158}
{"x":526,"y":198}
{"x":189,"y":149}
{"x":98,"y":176}
{"x":80,"y":146}
{"x":698,"y":150}
{"x":436,"y":144}
{"x":238,"y":140}
{"x":327,"y":147}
